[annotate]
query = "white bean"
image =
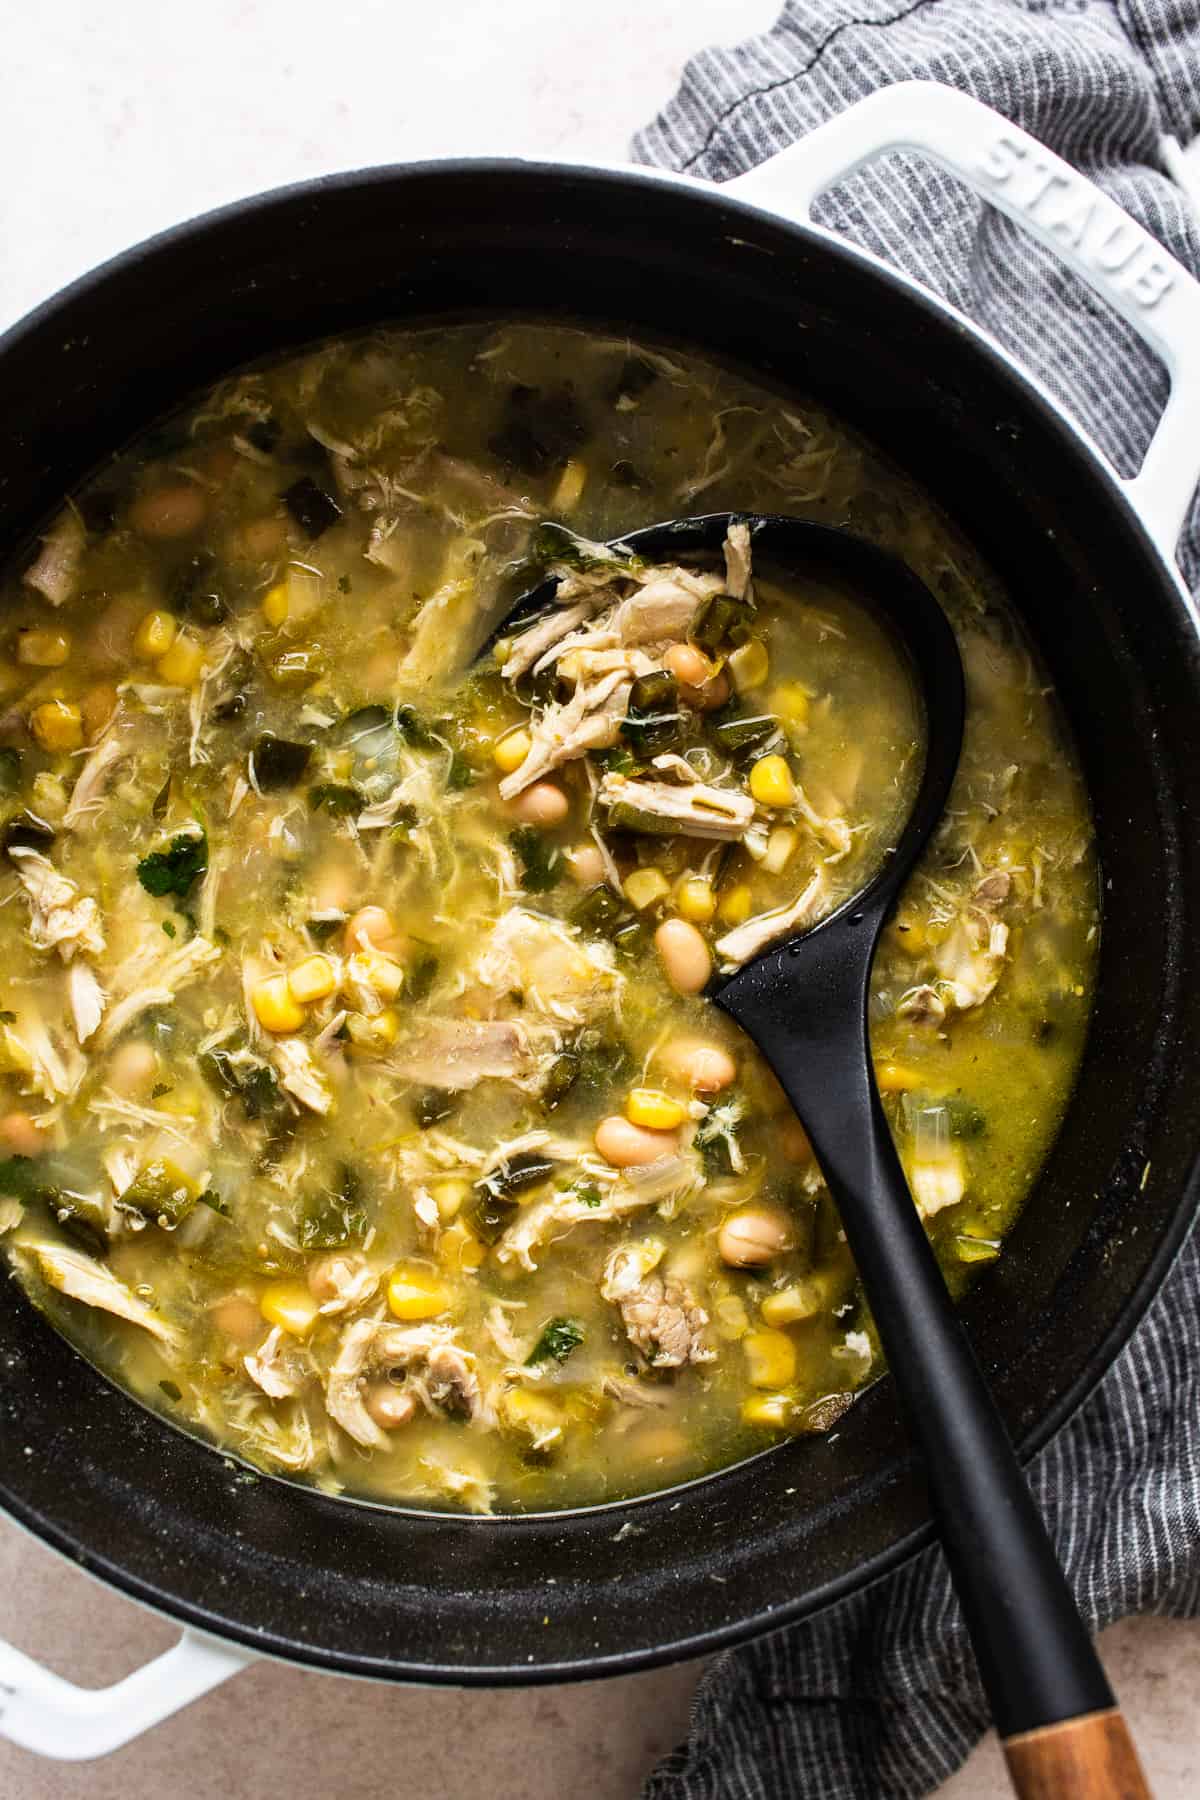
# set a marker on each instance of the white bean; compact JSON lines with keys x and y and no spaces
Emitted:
{"x":390,"y":1406}
{"x":132,"y":1069}
{"x":626,"y":1146}
{"x":685,"y":955}
{"x":753,"y":1238}
{"x":706,"y":1068}
{"x":239,"y":1318}
{"x":371,"y":927}
{"x":20,"y":1134}
{"x":586,"y":865}
{"x":542,"y":804}
{"x":169,"y":512}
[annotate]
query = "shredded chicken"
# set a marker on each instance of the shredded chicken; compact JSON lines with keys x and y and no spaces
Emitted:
{"x":148,"y":980}
{"x":82,"y":1278}
{"x":543,"y":1221}
{"x":87,"y":1000}
{"x":343,"y":1389}
{"x":556,"y":971}
{"x":87,"y":796}
{"x":937,"y":1181}
{"x":737,"y":560}
{"x":697,"y":810}
{"x":59,"y":918}
{"x":970,"y":959}
{"x":537,"y":639}
{"x":923,"y":1005}
{"x":460,"y":1053}
{"x":273,"y":1369}
{"x":352,"y":1278}
{"x":299,"y":1074}
{"x":589,"y":720}
{"x":634,"y":1394}
{"x":745,"y":941}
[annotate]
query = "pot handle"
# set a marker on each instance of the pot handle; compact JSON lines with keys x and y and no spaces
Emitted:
{"x":1099,"y":240}
{"x":42,"y":1712}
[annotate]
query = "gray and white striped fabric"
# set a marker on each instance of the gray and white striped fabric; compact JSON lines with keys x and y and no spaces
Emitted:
{"x":879,"y":1696}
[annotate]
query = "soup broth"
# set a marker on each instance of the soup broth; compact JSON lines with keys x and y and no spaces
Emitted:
{"x":363,"y":1110}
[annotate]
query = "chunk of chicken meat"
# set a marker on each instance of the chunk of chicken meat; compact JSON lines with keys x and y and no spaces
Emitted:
{"x":84,"y":1279}
{"x":300,"y":1075}
{"x":660,"y":1183}
{"x":59,"y":918}
{"x":557,"y":972}
{"x":695,"y":810}
{"x":589,"y":720}
{"x":745,"y":941}
{"x":664,"y":1320}
{"x":532,"y":645}
{"x":970,"y":959}
{"x":460,"y":1053}
{"x":273,"y":1368}
{"x":737,"y":560}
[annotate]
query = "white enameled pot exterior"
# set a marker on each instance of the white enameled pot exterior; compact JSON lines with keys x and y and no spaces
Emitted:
{"x":1116,"y":257}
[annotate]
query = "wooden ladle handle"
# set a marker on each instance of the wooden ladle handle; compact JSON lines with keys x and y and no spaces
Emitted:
{"x":1089,"y":1758}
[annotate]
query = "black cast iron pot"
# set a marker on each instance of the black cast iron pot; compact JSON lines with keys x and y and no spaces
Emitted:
{"x":413,"y":1596}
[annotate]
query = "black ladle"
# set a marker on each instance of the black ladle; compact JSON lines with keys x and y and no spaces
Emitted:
{"x":803,"y":1001}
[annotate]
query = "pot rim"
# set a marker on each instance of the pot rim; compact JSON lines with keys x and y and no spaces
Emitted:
{"x":1056,"y":421}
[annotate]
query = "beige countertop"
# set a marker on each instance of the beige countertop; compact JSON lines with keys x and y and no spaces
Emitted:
{"x":122,"y":120}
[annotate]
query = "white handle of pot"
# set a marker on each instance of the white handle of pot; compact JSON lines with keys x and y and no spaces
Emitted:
{"x":1061,"y":207}
{"x":53,"y":1717}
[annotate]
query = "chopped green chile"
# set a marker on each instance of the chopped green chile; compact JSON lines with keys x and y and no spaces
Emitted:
{"x":279,"y":762}
{"x":316,"y":1011}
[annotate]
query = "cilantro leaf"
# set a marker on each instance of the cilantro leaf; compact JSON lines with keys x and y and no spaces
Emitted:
{"x":176,"y":869}
{"x":557,"y":1339}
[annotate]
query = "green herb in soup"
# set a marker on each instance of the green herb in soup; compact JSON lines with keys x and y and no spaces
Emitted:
{"x":362,"y":1107}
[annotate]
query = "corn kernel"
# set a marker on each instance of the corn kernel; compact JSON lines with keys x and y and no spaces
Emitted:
{"x":48,"y":649}
{"x":181,"y":665}
{"x":771,"y":782}
{"x":450,"y":1195}
{"x":372,"y":969}
{"x":57,"y":725}
{"x":644,"y":887}
{"x":804,"y":1299}
{"x":289,"y":1305}
{"x":373,"y":1035}
{"x":510,"y":751}
{"x":909,"y":934}
{"x":780,"y":844}
{"x":789,"y":703}
{"x":770,"y":1358}
{"x":459,"y":1250}
{"x":275,"y":1006}
{"x":154,"y":636}
{"x":729,"y":1317}
{"x":736,"y":904}
{"x":312,"y":979}
{"x":654,"y":1109}
{"x":501,"y":651}
{"x":895,"y":1078}
{"x":695,"y":900}
{"x":416,"y":1293}
{"x":533,"y":1413}
{"x":749,"y":665}
{"x":768,"y":1409}
{"x":275,"y":604}
{"x":571,"y":484}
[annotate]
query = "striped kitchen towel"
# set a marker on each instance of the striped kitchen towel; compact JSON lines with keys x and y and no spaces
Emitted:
{"x":878,"y":1696}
